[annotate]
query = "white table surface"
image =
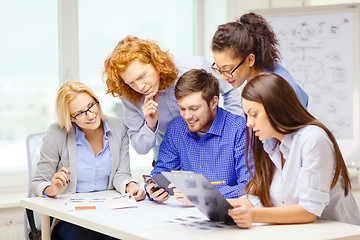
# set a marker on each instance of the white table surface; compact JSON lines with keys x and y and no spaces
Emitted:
{"x":131,"y":223}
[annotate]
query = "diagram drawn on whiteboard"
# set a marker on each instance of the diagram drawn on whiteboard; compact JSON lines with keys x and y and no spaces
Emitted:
{"x":317,"y":50}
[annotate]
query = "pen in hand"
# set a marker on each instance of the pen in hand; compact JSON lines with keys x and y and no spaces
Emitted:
{"x":67,"y":172}
{"x":59,"y":181}
{"x":62,"y":166}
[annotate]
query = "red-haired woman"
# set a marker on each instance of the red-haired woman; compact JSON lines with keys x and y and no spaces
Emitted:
{"x":143,"y":75}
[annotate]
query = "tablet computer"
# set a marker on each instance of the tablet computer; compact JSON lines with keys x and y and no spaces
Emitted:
{"x":197,"y":188}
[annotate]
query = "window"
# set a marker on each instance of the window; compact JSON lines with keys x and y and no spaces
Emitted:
{"x":103,"y":24}
{"x":28,"y":75}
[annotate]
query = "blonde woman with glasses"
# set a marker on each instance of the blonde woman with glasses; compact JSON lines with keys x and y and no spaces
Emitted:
{"x":84,"y":152}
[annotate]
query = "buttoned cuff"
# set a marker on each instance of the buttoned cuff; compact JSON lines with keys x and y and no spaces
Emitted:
{"x":44,"y":195}
{"x":148,"y":132}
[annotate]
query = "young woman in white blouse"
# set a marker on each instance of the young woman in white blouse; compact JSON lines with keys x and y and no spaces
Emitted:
{"x":300,"y":174}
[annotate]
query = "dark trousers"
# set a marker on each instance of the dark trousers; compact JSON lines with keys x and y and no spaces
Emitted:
{"x":67,"y":231}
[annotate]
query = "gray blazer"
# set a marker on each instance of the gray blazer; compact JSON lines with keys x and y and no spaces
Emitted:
{"x":60,"y":145}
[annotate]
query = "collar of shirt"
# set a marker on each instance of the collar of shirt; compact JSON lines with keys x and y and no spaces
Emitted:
{"x":286,"y":144}
{"x":106,"y":127}
{"x":216,"y":126}
{"x":269,"y":145}
{"x":272,"y":148}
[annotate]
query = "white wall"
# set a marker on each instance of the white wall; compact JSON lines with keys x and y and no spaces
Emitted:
{"x":217,"y":12}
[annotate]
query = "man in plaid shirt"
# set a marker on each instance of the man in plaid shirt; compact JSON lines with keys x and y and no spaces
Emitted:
{"x":205,"y":139}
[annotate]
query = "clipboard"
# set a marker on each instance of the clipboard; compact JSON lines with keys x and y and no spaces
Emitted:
{"x":197,"y":188}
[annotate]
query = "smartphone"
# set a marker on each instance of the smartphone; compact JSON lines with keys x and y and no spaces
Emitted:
{"x":149,"y":179}
{"x":160,"y":181}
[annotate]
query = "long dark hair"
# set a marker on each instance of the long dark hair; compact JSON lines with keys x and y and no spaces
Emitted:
{"x":286,"y":115}
{"x":250,"y":34}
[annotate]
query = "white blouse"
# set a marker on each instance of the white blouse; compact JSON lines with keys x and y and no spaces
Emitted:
{"x":306,"y":176}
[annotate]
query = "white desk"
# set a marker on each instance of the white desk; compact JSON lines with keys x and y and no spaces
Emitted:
{"x":116,"y":223}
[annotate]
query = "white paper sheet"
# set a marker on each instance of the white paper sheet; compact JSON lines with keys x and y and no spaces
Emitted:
{"x":99,"y":203}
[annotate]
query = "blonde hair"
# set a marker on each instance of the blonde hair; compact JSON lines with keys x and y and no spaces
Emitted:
{"x":146,"y":51}
{"x":66,"y":93}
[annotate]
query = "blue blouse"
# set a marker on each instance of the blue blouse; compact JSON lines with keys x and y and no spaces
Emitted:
{"x":93,"y":172}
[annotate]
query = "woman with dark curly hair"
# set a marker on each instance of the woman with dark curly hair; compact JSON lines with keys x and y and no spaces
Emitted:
{"x":143,"y":76}
{"x":247,"y":47}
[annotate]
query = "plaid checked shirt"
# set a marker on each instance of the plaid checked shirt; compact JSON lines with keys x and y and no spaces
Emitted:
{"x":219,"y":154}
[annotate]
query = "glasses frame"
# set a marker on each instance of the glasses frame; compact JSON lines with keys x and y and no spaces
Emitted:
{"x":86,"y":111}
{"x":228,"y":73}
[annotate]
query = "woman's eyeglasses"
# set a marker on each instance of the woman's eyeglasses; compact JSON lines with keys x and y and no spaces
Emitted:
{"x":81,"y":115}
{"x":228,"y":73}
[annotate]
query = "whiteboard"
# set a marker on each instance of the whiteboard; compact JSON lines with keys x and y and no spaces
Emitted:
{"x":319,"y":46}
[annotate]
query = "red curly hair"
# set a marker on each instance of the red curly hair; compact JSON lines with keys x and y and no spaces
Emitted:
{"x":146,"y":51}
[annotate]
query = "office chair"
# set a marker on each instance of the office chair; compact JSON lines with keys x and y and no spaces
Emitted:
{"x":33,"y":146}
